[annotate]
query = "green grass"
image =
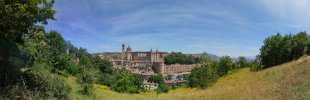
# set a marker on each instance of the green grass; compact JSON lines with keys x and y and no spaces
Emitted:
{"x":286,"y":81}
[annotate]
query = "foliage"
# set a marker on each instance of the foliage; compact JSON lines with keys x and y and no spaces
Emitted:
{"x":225,"y":65}
{"x":125,"y":81}
{"x":86,"y":79}
{"x":46,"y":84}
{"x":202,"y":77}
{"x":241,"y":62}
{"x":156,"y":79}
{"x":205,"y":58}
{"x":159,"y":79}
{"x":17,"y":19}
{"x":178,"y":57}
{"x":36,"y":61}
{"x":278,"y":49}
{"x":104,"y":65}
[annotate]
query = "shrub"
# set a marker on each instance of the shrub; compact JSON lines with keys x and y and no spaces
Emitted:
{"x":125,"y":81}
{"x":47,"y":85}
{"x":202,"y":77}
{"x":86,"y":78}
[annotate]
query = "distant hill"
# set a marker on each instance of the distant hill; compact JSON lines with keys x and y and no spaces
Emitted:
{"x":212,"y":56}
{"x":216,"y":57}
{"x":107,"y":53}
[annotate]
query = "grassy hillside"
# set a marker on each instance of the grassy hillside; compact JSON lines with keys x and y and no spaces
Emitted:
{"x":286,"y":81}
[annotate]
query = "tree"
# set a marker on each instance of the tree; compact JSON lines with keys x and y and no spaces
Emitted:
{"x":270,"y":51}
{"x":17,"y":18}
{"x":202,"y":77}
{"x":125,"y":81}
{"x":224,"y":65}
{"x":86,"y":79}
{"x":104,"y":65}
{"x":277,"y":49}
{"x":241,"y":62}
{"x":180,"y":58}
{"x":300,"y":43}
{"x":205,"y":58}
{"x":159,"y":79}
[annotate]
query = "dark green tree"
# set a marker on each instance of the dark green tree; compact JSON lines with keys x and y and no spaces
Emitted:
{"x":277,"y":49}
{"x":224,"y":65}
{"x":241,"y":62}
{"x":202,"y":77}
{"x":17,"y":18}
{"x":205,"y":58}
{"x":125,"y":81}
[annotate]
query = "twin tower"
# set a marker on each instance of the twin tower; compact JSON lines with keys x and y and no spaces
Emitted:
{"x":141,"y":56}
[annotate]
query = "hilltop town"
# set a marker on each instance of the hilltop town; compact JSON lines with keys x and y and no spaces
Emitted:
{"x":147,"y":63}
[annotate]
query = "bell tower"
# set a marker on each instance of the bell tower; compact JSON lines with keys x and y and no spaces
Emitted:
{"x":123,"y":48}
{"x":123,"y":53}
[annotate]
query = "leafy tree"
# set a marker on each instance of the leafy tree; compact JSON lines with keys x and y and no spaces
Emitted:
{"x":202,"y":77}
{"x":300,"y":43}
{"x":104,"y":65}
{"x":241,"y":62}
{"x":47,"y":84}
{"x":225,"y":65}
{"x":159,"y":79}
{"x":106,"y":70}
{"x":17,"y":18}
{"x":205,"y":58}
{"x":180,"y":58}
{"x":270,"y":52}
{"x":86,"y":79}
{"x":278,"y":49}
{"x":257,"y":64}
{"x":125,"y":81}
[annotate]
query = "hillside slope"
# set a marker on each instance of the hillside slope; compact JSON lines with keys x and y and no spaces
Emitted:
{"x":286,"y":81}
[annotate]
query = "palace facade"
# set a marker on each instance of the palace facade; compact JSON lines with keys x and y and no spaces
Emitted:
{"x":146,"y":62}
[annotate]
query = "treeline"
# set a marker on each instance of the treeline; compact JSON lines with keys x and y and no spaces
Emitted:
{"x":208,"y":73}
{"x":35,"y":63}
{"x":178,"y":57}
{"x":278,"y":49}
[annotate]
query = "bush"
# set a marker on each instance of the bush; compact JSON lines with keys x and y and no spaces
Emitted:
{"x":47,"y":85}
{"x":86,"y":78}
{"x":125,"y":81}
{"x":105,"y":79}
{"x":224,"y":65}
{"x":202,"y":77}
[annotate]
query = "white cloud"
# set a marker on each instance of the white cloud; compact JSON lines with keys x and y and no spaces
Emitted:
{"x":290,"y":11}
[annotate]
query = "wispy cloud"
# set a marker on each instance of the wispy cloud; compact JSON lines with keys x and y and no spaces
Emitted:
{"x":234,"y":27}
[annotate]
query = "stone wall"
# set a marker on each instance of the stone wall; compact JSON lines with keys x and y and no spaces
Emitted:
{"x":178,"y":68}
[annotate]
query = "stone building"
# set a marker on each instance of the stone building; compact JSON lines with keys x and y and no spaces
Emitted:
{"x":146,"y":62}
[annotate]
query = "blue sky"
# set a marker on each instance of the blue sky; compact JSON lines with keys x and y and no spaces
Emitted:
{"x":221,"y":27}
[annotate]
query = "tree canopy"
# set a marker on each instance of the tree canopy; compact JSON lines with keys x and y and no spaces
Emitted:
{"x":178,"y":57}
{"x":278,"y":49}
